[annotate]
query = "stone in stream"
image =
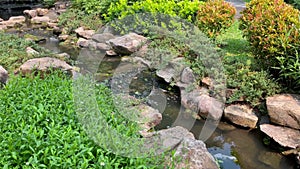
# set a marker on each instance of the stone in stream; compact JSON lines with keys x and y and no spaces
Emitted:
{"x":13,"y":21}
{"x":44,"y":65}
{"x":128,"y":43}
{"x":193,"y":153}
{"x":85,"y":33}
{"x":241,"y":115}
{"x":210,"y":108}
{"x":284,"y":136}
{"x":42,"y":11}
{"x":3,"y":75}
{"x":82,"y":43}
{"x":284,"y":110}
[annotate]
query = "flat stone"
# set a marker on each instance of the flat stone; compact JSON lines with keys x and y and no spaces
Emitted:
{"x":17,"y":19}
{"x":284,"y":136}
{"x":103,"y":37}
{"x":63,"y":37}
{"x":284,"y":110}
{"x":40,"y":20}
{"x":241,"y":115}
{"x":3,"y":75}
{"x":87,"y":34}
{"x":43,"y":65}
{"x":128,"y":43}
{"x":42,"y":11}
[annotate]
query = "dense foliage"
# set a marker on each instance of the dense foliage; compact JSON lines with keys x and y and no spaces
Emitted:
{"x":295,"y":3}
{"x":39,"y":127}
{"x":214,"y":16}
{"x":273,"y":29}
{"x":185,"y":9}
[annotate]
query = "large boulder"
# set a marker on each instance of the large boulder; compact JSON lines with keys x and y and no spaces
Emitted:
{"x":285,"y":136}
{"x":3,"y":75}
{"x":128,"y":43}
{"x":241,"y":115}
{"x":44,"y":65}
{"x":284,"y":110}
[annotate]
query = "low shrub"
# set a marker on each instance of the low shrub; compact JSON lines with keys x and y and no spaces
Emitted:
{"x":215,"y":16}
{"x":273,"y":30}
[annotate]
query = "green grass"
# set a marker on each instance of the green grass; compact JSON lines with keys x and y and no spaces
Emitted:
{"x":39,"y":128}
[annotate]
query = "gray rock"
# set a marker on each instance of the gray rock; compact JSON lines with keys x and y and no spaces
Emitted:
{"x":168,"y":73}
{"x":111,"y":53}
{"x":187,"y":76}
{"x":102,"y":46}
{"x":285,"y":136}
{"x":103,"y":37}
{"x":87,"y":34}
{"x":241,"y":115}
{"x":3,"y":75}
{"x":284,"y":110}
{"x":43,"y":65}
{"x":63,"y":37}
{"x":210,"y":107}
{"x":30,"y":51}
{"x":128,"y":43}
{"x":194,"y":155}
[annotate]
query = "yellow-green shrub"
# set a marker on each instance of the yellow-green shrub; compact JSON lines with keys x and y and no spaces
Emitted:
{"x":215,"y":16}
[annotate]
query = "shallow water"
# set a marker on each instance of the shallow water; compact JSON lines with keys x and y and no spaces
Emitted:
{"x":233,"y":147}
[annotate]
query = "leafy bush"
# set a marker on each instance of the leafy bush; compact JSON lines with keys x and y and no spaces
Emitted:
{"x":214,"y":16}
{"x":74,"y":18}
{"x":13,"y":51}
{"x":273,"y":30}
{"x":49,"y":3}
{"x":185,"y":9}
{"x":39,"y":127}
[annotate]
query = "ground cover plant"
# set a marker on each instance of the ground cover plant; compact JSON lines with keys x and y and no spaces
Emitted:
{"x":39,"y":127}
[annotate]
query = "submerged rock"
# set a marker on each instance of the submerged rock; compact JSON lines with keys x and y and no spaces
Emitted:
{"x":284,"y":110}
{"x":285,"y":136}
{"x":241,"y":115}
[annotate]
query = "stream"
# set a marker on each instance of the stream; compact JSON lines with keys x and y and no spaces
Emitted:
{"x":234,"y":148}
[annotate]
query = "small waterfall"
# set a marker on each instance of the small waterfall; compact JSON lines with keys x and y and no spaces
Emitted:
{"x":10,"y":8}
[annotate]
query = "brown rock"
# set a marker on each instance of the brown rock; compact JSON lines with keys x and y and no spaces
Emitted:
{"x":63,"y":37}
{"x":285,"y":136}
{"x":82,"y":43}
{"x":87,"y":34}
{"x":30,"y":51}
{"x":241,"y":115}
{"x":206,"y":81}
{"x":284,"y":110}
{"x":30,"y":13}
{"x":44,"y":65}
{"x":210,"y":107}
{"x":127,"y":44}
{"x":42,"y":11}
